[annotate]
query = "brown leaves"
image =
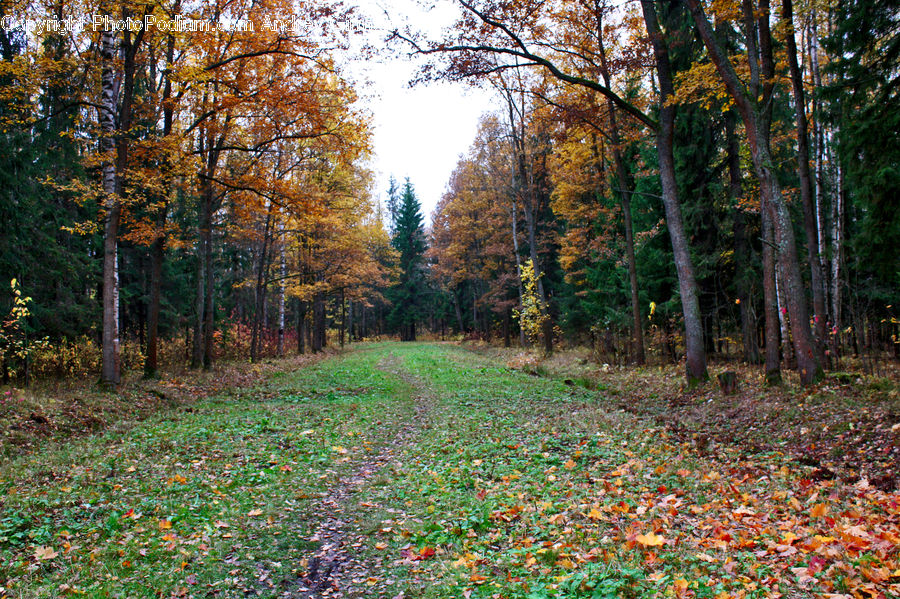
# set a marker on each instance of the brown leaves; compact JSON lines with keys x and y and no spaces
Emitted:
{"x":44,"y":553}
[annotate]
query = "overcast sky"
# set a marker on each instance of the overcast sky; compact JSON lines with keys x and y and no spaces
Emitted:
{"x":419,"y":132}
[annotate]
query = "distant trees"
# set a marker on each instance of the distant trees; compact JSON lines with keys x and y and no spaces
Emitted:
{"x":753,"y":142}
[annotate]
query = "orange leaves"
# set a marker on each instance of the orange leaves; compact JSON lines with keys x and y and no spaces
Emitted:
{"x":595,"y":514}
{"x":650,"y":540}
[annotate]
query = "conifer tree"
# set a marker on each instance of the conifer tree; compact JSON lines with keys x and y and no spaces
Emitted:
{"x":407,"y":296}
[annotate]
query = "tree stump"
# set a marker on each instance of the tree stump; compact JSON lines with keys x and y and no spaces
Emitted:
{"x":728,"y":382}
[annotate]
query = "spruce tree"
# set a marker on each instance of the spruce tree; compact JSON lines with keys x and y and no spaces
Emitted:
{"x":408,"y":295}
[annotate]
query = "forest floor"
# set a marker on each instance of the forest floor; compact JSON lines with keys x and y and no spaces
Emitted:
{"x":427,"y":470}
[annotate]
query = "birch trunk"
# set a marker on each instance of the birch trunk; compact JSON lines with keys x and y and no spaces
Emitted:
{"x":110,"y":370}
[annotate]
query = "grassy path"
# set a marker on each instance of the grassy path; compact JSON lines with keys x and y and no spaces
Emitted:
{"x":427,"y":471}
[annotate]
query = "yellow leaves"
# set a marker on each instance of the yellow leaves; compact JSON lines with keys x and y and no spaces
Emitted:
{"x":650,"y":540}
{"x":254,"y":513}
{"x":818,"y":510}
{"x":595,"y":514}
{"x":165,"y":524}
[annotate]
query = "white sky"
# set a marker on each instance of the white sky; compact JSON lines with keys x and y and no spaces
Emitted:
{"x":419,"y":132}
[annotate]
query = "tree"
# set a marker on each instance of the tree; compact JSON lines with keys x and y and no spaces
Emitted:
{"x":407,"y":296}
{"x":754,"y":103}
{"x":490,"y":31}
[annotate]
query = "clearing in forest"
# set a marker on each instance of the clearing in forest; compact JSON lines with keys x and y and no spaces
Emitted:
{"x":424,"y":470}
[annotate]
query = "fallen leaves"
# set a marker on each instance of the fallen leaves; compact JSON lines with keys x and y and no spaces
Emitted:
{"x":43,"y":553}
{"x":650,"y":540}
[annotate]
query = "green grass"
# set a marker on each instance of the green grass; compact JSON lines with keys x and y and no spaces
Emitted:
{"x":213,"y":498}
{"x":502,"y":485}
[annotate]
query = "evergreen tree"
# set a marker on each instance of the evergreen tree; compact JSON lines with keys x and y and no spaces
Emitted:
{"x":393,"y":204}
{"x":408,"y":295}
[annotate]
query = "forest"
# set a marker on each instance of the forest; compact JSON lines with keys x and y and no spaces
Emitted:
{"x":658,"y":182}
{"x":646,"y":343}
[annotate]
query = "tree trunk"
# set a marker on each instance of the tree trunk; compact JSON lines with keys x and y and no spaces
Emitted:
{"x":458,"y":310}
{"x":625,"y":191}
{"x":515,"y":236}
{"x":806,"y":193}
{"x":197,"y":349}
{"x":741,"y":246}
{"x":757,"y":122}
{"x":301,"y":326}
{"x":837,"y":253}
{"x":693,"y":336}
{"x":787,"y":350}
{"x":350,"y":323}
{"x":343,"y":319}
{"x":770,"y":301}
{"x":151,"y":362}
{"x":282,"y":272}
{"x":524,"y":186}
{"x":259,"y":321}
{"x":110,"y":371}
{"x":157,"y":251}
{"x":819,"y":148}
{"x":318,"y":329}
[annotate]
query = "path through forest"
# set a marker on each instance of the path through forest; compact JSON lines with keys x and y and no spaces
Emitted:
{"x":424,"y":470}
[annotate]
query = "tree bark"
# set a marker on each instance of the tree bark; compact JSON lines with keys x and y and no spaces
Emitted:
{"x":318,"y":329}
{"x":343,"y":319}
{"x":787,"y":351}
{"x":695,"y":353}
{"x":301,"y":327}
{"x":770,"y":300}
{"x":817,"y":279}
{"x":110,"y":370}
{"x":741,"y":245}
{"x":258,"y":317}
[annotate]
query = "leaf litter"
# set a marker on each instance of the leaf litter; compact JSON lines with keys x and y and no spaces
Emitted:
{"x":460,"y":478}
